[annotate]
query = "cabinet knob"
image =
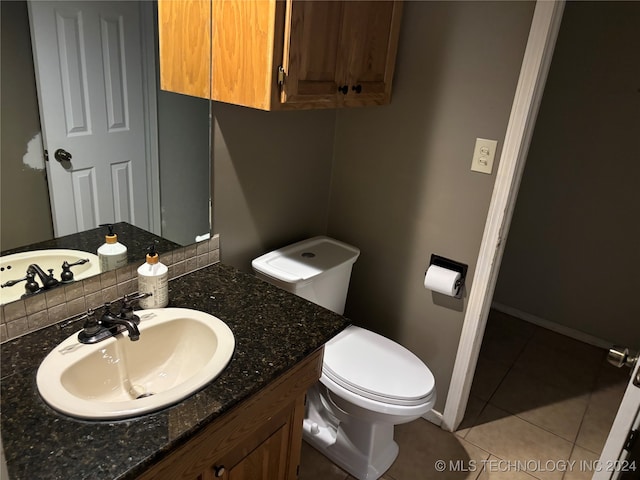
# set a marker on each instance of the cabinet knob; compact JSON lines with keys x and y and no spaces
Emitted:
{"x":343,"y":89}
{"x":357,"y":88}
{"x":218,"y":471}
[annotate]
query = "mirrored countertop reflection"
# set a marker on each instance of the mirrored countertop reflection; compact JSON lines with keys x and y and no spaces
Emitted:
{"x":135,"y":239}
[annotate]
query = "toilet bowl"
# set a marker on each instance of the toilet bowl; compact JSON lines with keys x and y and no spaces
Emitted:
{"x":369,"y":383}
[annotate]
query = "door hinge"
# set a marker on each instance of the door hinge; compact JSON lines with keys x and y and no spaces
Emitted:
{"x":46,"y":155}
{"x":631,"y":440}
{"x":281,"y":75}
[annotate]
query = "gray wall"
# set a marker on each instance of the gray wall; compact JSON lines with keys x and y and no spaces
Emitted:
{"x":572,"y":254}
{"x":394,"y":180}
{"x":24,"y":198}
{"x":183,"y":143}
{"x":271,"y":178}
{"x":402,"y":188}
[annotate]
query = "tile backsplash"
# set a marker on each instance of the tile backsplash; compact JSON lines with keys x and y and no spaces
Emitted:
{"x":44,"y":309}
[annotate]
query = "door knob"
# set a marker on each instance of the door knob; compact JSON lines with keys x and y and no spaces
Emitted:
{"x":343,"y":89}
{"x":62,"y":155}
{"x":622,"y":357}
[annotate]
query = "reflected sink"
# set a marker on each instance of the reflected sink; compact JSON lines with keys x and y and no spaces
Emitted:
{"x":179,"y":351}
{"x":14,"y":266}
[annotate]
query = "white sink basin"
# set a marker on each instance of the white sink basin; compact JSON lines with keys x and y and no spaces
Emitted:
{"x":179,"y":351}
{"x":14,"y":266}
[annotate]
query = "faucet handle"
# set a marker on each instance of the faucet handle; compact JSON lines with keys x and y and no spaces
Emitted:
{"x":87,"y":316}
{"x":126,"y":311}
{"x":91,"y":325}
{"x":31,"y":286}
{"x":107,"y":309}
{"x":67,"y":275}
{"x":134,"y":297}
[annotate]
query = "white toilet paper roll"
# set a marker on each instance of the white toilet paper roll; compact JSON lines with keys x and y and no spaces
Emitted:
{"x":442,"y":280}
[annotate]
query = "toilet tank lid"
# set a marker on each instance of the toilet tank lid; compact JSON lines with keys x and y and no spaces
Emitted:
{"x":306,"y":259}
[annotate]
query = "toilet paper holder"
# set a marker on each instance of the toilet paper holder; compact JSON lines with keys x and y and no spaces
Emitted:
{"x":449,"y":264}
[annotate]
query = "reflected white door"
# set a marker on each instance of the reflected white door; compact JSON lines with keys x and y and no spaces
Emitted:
{"x":88,"y":61}
{"x":619,"y":458}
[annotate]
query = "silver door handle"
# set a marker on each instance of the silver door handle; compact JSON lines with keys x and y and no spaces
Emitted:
{"x":622,"y":357}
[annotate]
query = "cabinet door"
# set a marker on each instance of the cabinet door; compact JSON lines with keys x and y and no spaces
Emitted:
{"x":267,"y":462}
{"x":312,"y":53}
{"x":184,"y":33}
{"x":243,"y":42}
{"x":370,"y":35}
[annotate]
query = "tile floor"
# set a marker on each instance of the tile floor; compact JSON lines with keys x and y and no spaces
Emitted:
{"x":537,"y":397}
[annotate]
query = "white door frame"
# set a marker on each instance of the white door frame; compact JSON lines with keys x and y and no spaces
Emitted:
{"x":533,"y":74}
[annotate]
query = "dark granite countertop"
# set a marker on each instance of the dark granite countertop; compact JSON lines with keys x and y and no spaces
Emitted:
{"x":274,"y":330}
{"x":135,"y":239}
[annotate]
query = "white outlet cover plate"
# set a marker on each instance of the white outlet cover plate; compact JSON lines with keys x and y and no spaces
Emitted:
{"x":483,"y":155}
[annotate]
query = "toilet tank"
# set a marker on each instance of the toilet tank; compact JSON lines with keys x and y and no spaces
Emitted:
{"x":318,"y":269}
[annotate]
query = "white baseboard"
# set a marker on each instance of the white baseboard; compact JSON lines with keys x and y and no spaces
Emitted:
{"x":553,"y":326}
{"x":433,"y":417}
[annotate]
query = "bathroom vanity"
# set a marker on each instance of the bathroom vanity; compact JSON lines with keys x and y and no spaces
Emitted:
{"x":246,"y":424}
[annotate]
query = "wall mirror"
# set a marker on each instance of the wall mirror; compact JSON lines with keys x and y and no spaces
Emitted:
{"x":87,"y":135}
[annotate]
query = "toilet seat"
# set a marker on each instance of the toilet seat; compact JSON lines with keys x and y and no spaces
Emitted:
{"x":372,"y":370}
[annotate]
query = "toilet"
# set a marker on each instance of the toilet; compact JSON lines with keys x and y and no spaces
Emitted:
{"x":369,"y":383}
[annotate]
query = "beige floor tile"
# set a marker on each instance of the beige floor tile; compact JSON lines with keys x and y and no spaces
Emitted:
{"x":575,"y":348}
{"x":384,"y":477}
{"x":422,"y":444}
{"x":609,"y":395}
{"x":559,"y":368}
{"x":471,"y":414}
{"x":511,"y":438}
{"x":603,"y":406}
{"x":315,"y":466}
{"x":504,"y":338}
{"x":541,"y":404}
{"x":610,"y":375}
{"x":581,"y":465}
{"x":595,"y":428}
{"x":487,"y":377}
{"x":496,"y":469}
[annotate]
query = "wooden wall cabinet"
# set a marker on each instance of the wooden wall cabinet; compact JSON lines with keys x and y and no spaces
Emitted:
{"x":260,"y":439}
{"x":278,"y":55}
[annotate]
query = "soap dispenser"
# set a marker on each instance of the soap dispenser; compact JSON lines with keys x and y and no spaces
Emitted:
{"x":112,"y":254}
{"x":153,"y":278}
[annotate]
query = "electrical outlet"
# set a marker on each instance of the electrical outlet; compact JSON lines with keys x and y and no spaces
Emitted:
{"x":483,"y":155}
